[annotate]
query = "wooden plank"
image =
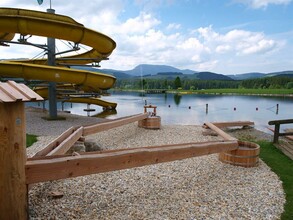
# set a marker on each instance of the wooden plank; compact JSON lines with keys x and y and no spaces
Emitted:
{"x":233,"y":124}
{"x":13,"y":189}
{"x":51,"y":146}
{"x":29,"y":93}
{"x":92,"y":129}
{"x":220,"y":132}
{"x":118,"y":150}
{"x":63,"y":147}
{"x":284,"y":121}
{"x":66,"y":167}
{"x":12,"y":92}
{"x":4,"y":97}
{"x":288,"y":135}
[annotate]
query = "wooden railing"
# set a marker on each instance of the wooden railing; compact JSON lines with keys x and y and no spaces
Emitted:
{"x":277,"y":124}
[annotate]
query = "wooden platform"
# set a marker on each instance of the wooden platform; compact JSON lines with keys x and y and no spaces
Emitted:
{"x":285,"y":144}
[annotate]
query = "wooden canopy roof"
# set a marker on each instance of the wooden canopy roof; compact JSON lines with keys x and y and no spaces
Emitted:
{"x":11,"y":91}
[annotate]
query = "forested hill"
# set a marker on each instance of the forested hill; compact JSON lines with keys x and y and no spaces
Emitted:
{"x":169,"y":72}
{"x":211,"y":76}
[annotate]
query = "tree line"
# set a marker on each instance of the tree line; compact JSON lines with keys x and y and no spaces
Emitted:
{"x":197,"y":84}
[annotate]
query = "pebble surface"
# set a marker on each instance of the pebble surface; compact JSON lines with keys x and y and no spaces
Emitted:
{"x":195,"y":188}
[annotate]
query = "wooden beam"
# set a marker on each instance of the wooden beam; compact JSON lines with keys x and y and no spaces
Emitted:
{"x":66,"y":167}
{"x":233,"y":124}
{"x":117,"y":150}
{"x":63,"y":147}
{"x":92,"y":129}
{"x":284,"y":121}
{"x":13,"y":189}
{"x":288,"y":135}
{"x":220,"y":132}
{"x":51,"y":146}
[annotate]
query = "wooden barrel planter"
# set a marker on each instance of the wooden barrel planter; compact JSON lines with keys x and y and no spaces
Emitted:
{"x":153,"y":122}
{"x":247,"y":155}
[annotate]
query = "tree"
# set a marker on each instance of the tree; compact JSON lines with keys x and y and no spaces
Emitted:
{"x":177,"y":82}
{"x":289,"y":85}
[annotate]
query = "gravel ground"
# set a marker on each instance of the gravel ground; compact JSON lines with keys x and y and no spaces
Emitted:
{"x":195,"y":188}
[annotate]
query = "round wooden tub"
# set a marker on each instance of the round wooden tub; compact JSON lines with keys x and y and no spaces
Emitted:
{"x":153,"y":122}
{"x":247,"y":155}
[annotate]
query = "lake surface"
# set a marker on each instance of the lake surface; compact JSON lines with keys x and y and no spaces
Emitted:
{"x":191,"y":109}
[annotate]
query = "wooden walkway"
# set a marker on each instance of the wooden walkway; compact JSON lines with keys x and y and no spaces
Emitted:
{"x":286,"y":146}
{"x":286,"y":142}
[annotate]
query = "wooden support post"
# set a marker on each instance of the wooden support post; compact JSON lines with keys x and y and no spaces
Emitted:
{"x":276,"y":133}
{"x":13,"y":188}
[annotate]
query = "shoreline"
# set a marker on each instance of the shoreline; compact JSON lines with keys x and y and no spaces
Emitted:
{"x":185,"y":92}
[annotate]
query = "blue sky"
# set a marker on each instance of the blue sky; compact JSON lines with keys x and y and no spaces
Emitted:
{"x":223,"y":36}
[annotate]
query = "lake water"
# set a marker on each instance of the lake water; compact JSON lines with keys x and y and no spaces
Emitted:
{"x":191,"y":109}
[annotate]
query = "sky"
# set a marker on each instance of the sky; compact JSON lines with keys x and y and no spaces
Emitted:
{"x":222,"y":36}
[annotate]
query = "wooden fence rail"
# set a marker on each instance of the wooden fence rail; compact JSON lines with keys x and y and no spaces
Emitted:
{"x":277,"y":124}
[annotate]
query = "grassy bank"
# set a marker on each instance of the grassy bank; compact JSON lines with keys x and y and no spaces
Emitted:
{"x":277,"y":92}
{"x":241,"y":91}
{"x":30,"y":139}
{"x":283,"y":167}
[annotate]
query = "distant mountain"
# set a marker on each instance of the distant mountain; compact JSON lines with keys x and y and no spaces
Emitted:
{"x":169,"y":72}
{"x":211,"y":76}
{"x":287,"y":73}
{"x":247,"y":76}
{"x":148,"y":69}
{"x":170,"y":76}
{"x":117,"y":73}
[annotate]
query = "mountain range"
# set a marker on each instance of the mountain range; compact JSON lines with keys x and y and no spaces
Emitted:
{"x":149,"y":71}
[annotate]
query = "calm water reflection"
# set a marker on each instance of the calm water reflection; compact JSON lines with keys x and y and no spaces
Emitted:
{"x":191,"y":109}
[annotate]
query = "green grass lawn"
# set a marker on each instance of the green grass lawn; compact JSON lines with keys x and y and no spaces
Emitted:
{"x":30,"y":139}
{"x":283,"y":167}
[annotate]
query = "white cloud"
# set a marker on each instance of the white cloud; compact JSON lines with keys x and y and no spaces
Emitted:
{"x":143,"y":38}
{"x":139,"y":24}
{"x":223,"y":48}
{"x":203,"y":49}
{"x":262,"y":46}
{"x":173,"y":26}
{"x":240,"y":42}
{"x":256,"y":4}
{"x":207,"y":66}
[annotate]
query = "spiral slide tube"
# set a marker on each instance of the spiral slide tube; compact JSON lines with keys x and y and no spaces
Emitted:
{"x":28,"y":22}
